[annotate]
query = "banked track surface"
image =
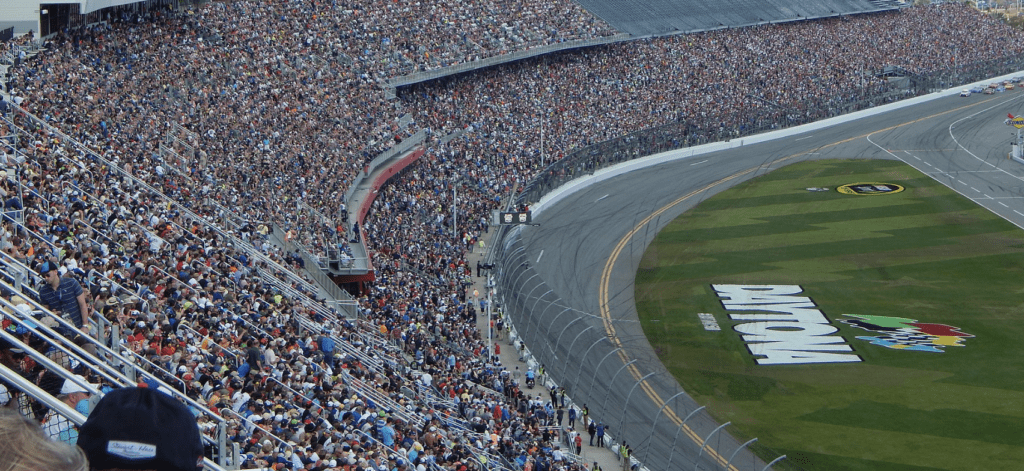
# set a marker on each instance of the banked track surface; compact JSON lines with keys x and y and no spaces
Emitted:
{"x":587,"y":247}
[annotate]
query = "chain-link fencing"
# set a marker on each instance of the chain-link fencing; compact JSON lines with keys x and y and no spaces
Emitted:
{"x":599,"y":360}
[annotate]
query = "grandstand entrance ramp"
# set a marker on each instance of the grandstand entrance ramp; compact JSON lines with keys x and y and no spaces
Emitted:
{"x":662,"y":17}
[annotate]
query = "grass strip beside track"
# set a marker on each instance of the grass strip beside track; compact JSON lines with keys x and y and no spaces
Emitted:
{"x":926,"y":254}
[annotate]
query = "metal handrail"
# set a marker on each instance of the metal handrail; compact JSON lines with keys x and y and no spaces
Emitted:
{"x":224,"y":349}
{"x":154,"y":365}
{"x":249,"y":323}
{"x":63,"y":409}
{"x":161,"y":270}
{"x":382,"y":400}
{"x":36,"y":235}
{"x":271,"y":378}
{"x":100,"y":234}
{"x":30,"y":274}
{"x":99,"y":204}
{"x":112,"y":282}
{"x":265,"y":432}
{"x":111,"y":165}
{"x":146,"y":231}
{"x":105,"y":370}
{"x":49,"y":364}
{"x":101,"y":346}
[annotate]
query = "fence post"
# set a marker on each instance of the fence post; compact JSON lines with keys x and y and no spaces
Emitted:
{"x":776,"y":460}
{"x":681,"y":427}
{"x":518,"y":296}
{"x":222,"y":444}
{"x":585,"y":355}
{"x":556,"y":318}
{"x":569,"y":351}
{"x":696,"y":462}
{"x":593,"y":380}
{"x":625,"y":406}
{"x":650,"y":438}
{"x":610,"y":383}
{"x":559,"y":338}
{"x":532,"y":308}
{"x":729,"y":463}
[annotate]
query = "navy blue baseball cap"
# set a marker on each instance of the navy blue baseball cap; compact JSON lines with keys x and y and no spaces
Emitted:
{"x":47,"y":267}
{"x":140,"y":428}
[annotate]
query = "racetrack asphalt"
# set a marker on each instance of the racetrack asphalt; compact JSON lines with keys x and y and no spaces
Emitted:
{"x":587,"y":247}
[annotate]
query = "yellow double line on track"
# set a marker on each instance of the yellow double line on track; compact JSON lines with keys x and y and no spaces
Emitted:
{"x":603,"y":291}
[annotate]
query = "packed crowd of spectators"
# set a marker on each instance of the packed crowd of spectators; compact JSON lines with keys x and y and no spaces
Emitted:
{"x":263,"y":363}
{"x":245,"y":114}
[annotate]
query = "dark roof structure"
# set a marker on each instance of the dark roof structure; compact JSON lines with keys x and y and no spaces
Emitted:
{"x":660,"y":17}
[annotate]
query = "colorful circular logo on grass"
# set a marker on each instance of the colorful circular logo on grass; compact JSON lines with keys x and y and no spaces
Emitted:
{"x":870,"y":189}
{"x":907,"y":334}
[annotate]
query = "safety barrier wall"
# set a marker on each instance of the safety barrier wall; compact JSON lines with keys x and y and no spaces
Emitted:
{"x":691,"y":133}
{"x":581,"y":351}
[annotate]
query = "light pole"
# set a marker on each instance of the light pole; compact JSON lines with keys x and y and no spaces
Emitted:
{"x":490,"y":341}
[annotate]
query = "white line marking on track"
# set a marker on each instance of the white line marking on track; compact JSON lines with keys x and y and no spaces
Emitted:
{"x":1002,"y":203}
{"x":539,"y":256}
{"x":698,"y":163}
{"x":960,"y":146}
{"x":601,"y":198}
{"x":960,"y":181}
{"x":930,"y":165}
{"x":802,"y":138}
{"x":1018,"y":212}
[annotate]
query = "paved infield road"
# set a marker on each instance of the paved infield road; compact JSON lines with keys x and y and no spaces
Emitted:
{"x":588,"y":245}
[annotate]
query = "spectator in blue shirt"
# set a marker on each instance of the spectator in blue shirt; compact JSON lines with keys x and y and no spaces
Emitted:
{"x":387,"y":433}
{"x":64,"y":296}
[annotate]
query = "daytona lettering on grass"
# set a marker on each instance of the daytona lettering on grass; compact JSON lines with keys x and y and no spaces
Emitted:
{"x":786,"y":329}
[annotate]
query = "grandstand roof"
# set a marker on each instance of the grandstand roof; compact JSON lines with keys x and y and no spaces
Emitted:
{"x":660,"y":17}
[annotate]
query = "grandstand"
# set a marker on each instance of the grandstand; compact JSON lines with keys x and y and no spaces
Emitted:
{"x":201,"y":171}
{"x":654,"y":18}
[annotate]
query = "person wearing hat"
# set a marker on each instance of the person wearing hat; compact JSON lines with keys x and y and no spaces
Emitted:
{"x":75,"y":395}
{"x":63,"y":295}
{"x":161,"y":435}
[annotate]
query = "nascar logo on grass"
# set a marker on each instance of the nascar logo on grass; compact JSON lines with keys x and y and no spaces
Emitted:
{"x":787,"y":329}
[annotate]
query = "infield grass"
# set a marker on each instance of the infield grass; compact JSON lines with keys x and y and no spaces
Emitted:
{"x":926,"y":253}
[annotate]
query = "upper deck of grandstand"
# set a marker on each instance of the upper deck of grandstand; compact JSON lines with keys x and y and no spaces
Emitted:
{"x":659,"y":17}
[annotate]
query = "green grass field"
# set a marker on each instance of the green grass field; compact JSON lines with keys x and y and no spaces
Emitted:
{"x":926,"y":253}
